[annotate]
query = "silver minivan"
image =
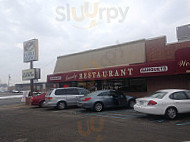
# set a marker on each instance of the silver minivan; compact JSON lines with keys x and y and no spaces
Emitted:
{"x":64,"y":97}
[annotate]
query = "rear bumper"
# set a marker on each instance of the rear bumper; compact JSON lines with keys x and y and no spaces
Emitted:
{"x":149,"y":110}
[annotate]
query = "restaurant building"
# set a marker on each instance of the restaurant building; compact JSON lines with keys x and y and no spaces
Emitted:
{"x":137,"y":68}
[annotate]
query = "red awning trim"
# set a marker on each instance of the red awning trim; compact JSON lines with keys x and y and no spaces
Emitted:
{"x":137,"y":70}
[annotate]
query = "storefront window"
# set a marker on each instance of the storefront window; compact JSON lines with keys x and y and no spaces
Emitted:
{"x":138,"y":85}
{"x":126,"y":85}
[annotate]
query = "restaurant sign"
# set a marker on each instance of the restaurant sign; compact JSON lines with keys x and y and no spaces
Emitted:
{"x":31,"y":74}
{"x":183,"y":60}
{"x":141,"y":70}
{"x":30,"y":50}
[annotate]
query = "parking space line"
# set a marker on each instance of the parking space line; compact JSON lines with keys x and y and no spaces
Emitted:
{"x":120,"y":116}
{"x":132,"y":111}
{"x":159,"y":120}
{"x":124,"y":114}
{"x":182,"y":124}
{"x":111,"y":116}
{"x":83,"y":111}
{"x":117,"y":113}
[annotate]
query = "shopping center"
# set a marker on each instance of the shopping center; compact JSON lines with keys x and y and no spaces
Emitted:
{"x":137,"y":68}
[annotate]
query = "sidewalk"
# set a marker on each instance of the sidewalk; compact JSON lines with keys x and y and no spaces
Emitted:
{"x":10,"y":97}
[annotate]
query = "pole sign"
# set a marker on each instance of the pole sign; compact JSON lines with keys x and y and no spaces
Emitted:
{"x":31,"y":74}
{"x":30,"y":50}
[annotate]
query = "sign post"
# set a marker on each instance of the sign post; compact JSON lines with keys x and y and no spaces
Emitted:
{"x":30,"y":55}
{"x":31,"y":80}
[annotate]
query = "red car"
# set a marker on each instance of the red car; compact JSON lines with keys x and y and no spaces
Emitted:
{"x":38,"y":100}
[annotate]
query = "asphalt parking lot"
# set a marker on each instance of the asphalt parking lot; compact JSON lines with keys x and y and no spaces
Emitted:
{"x":130,"y":113}
{"x":20,"y":123}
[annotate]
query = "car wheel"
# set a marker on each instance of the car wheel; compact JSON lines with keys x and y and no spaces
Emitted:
{"x":41,"y":104}
{"x":61,"y":105}
{"x":171,"y":113}
{"x":98,"y":107}
{"x":131,"y":103}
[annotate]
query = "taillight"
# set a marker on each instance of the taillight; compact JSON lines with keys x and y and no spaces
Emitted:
{"x":86,"y":99}
{"x":49,"y":98}
{"x":151,"y":102}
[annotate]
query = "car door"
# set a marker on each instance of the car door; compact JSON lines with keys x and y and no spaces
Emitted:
{"x":59,"y":95}
{"x":107,"y":99}
{"x":122,"y":99}
{"x":118,"y":99}
{"x":181,"y":101}
{"x":72,"y":94}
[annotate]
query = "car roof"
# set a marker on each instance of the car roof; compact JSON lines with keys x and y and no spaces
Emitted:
{"x":171,"y":90}
{"x":70,"y":88}
{"x":104,"y":90}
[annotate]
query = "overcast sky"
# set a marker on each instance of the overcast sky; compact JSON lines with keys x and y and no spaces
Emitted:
{"x":60,"y":32}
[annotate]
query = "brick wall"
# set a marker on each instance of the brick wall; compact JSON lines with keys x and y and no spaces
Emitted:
{"x":164,"y":82}
{"x":157,"y":49}
{"x":168,"y":82}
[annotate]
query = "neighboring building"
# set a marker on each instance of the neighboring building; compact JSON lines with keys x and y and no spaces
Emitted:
{"x":137,"y":68}
{"x":3,"y":87}
{"x":38,"y":87}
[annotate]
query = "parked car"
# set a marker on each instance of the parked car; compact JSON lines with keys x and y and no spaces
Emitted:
{"x":64,"y":97}
{"x":38,"y":100}
{"x":169,"y":102}
{"x":100,"y":100}
{"x":15,"y":91}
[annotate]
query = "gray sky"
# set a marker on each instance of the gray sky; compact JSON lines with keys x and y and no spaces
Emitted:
{"x":59,"y":33}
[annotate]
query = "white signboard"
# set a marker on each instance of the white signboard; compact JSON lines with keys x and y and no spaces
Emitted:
{"x":154,"y":69}
{"x":31,"y":74}
{"x":31,"y":50}
{"x":28,"y":74}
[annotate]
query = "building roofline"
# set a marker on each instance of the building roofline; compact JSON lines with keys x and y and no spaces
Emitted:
{"x":158,"y":37}
{"x":102,"y":48}
{"x":178,"y":42}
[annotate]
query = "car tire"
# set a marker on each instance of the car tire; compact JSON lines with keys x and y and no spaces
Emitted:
{"x":41,"y":104}
{"x":98,"y":107}
{"x":131,"y":104}
{"x":171,"y":113}
{"x":61,"y":105}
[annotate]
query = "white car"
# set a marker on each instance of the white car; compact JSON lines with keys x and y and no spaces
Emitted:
{"x":168,"y":102}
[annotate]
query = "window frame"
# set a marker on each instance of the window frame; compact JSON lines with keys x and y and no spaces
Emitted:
{"x":172,"y":96}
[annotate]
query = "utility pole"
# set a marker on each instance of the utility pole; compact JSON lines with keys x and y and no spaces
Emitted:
{"x":9,"y":78}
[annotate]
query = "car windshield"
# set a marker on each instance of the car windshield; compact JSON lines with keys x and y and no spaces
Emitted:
{"x":158,"y":95}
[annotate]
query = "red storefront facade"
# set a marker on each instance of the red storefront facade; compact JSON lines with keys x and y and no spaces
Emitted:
{"x":166,"y":66}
